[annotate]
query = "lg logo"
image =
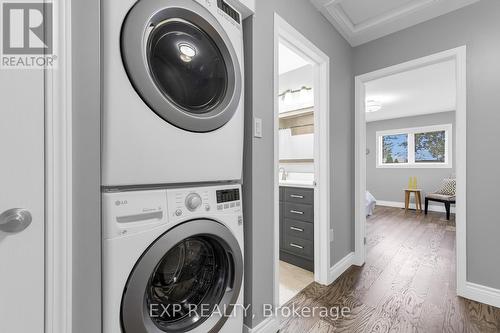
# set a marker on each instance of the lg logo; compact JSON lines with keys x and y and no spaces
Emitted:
{"x":27,"y":28}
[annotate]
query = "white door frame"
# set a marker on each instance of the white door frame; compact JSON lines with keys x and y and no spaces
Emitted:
{"x":58,"y":171}
{"x":283,"y":31}
{"x":459,"y":55}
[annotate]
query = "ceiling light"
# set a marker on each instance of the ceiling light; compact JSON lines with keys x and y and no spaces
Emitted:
{"x":373,"y":106}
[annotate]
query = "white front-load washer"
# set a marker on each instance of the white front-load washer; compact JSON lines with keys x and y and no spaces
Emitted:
{"x":173,"y":260}
{"x":172,"y":95}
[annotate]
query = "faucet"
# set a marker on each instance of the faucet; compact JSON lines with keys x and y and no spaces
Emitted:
{"x":283,"y":173}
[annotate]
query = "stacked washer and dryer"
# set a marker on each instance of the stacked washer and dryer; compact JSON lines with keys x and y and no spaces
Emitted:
{"x":172,"y":161}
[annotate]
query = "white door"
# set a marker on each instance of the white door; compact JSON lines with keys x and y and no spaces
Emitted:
{"x":22,"y":280}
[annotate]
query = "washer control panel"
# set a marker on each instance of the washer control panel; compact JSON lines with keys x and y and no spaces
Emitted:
{"x":187,"y":202}
{"x":132,"y":211}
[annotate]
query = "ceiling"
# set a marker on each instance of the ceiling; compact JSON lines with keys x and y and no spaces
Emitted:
{"x":361,"y":21}
{"x":429,"y":89}
{"x":289,"y":60}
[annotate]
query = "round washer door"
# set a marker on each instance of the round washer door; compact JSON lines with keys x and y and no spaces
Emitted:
{"x":181,"y":62}
{"x":189,"y":272}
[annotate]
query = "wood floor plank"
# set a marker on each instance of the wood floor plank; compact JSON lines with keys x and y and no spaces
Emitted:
{"x":322,"y":327}
{"x":432,"y":315}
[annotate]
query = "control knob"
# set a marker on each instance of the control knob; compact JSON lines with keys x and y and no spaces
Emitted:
{"x":193,"y":201}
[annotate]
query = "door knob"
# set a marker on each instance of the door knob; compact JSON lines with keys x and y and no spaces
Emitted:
{"x":15,"y":220}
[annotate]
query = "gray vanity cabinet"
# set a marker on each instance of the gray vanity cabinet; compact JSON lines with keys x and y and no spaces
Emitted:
{"x":297,"y":226}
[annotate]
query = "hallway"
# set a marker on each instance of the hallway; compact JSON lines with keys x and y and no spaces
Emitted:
{"x":407,"y":284}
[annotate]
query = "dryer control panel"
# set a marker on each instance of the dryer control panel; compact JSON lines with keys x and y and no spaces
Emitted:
{"x":226,"y":8}
{"x":191,"y":202}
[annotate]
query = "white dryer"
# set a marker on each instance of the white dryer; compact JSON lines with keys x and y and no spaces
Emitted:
{"x":172,"y":92}
{"x":173,"y":260}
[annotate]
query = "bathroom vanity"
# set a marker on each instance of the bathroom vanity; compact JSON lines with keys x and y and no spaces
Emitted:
{"x":297,"y":225}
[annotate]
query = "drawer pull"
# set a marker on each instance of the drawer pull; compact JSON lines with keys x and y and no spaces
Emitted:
{"x":297,"y":229}
{"x":296,"y":212}
{"x":297,"y":246}
{"x":296,"y":196}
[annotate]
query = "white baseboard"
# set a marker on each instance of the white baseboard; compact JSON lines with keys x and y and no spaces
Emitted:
{"x":482,"y":294}
{"x":340,"y":267}
{"x":268,"y":325}
{"x":433,"y":208}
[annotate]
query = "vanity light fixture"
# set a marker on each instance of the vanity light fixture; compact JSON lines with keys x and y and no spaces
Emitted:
{"x":373,"y":106}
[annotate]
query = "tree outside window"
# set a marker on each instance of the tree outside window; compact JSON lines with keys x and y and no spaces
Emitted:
{"x":430,"y":147}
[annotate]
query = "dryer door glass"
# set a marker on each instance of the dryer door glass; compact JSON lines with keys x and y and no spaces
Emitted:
{"x":187,"y":66}
{"x":183,"y":63}
{"x":188,"y":283}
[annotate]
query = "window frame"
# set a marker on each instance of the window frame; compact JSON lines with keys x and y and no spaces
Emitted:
{"x":448,"y":148}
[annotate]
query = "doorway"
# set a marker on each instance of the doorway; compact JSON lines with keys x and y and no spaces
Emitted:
{"x":457,"y":57}
{"x":301,"y":163}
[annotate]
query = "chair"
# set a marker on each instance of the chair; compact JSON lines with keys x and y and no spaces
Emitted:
{"x":445,"y":194}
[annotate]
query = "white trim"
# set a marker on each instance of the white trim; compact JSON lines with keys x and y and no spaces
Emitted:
{"x":483,"y":294}
{"x":353,"y":29}
{"x":459,"y":55}
{"x":397,"y":204}
{"x":268,"y":325}
{"x":359,"y":173}
{"x":395,"y":19}
{"x":461,"y":168}
{"x":410,"y":132}
{"x":321,"y":67}
{"x":339,"y":268}
{"x":58,"y":105}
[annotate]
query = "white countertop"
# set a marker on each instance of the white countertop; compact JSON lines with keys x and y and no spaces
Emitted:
{"x":297,"y":183}
{"x":297,"y":179}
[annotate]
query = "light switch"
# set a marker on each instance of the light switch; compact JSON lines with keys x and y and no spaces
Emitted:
{"x":257,"y":128}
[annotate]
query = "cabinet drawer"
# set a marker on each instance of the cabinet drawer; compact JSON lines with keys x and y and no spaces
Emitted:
{"x":299,"y":229}
{"x":299,"y":212}
{"x":300,"y":247}
{"x":299,"y":195}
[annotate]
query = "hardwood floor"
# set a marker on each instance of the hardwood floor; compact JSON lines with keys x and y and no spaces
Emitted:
{"x":406,"y":285}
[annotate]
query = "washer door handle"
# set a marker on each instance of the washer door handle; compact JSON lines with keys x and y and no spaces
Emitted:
{"x":15,"y":220}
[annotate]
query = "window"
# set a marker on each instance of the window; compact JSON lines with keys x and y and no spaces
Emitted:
{"x":395,"y":149}
{"x":421,"y":147}
{"x":430,"y":147}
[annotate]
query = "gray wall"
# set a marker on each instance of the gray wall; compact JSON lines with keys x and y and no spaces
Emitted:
{"x":387,"y":184}
{"x":86,"y":313}
{"x":476,"y":26}
{"x":258,"y":164}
